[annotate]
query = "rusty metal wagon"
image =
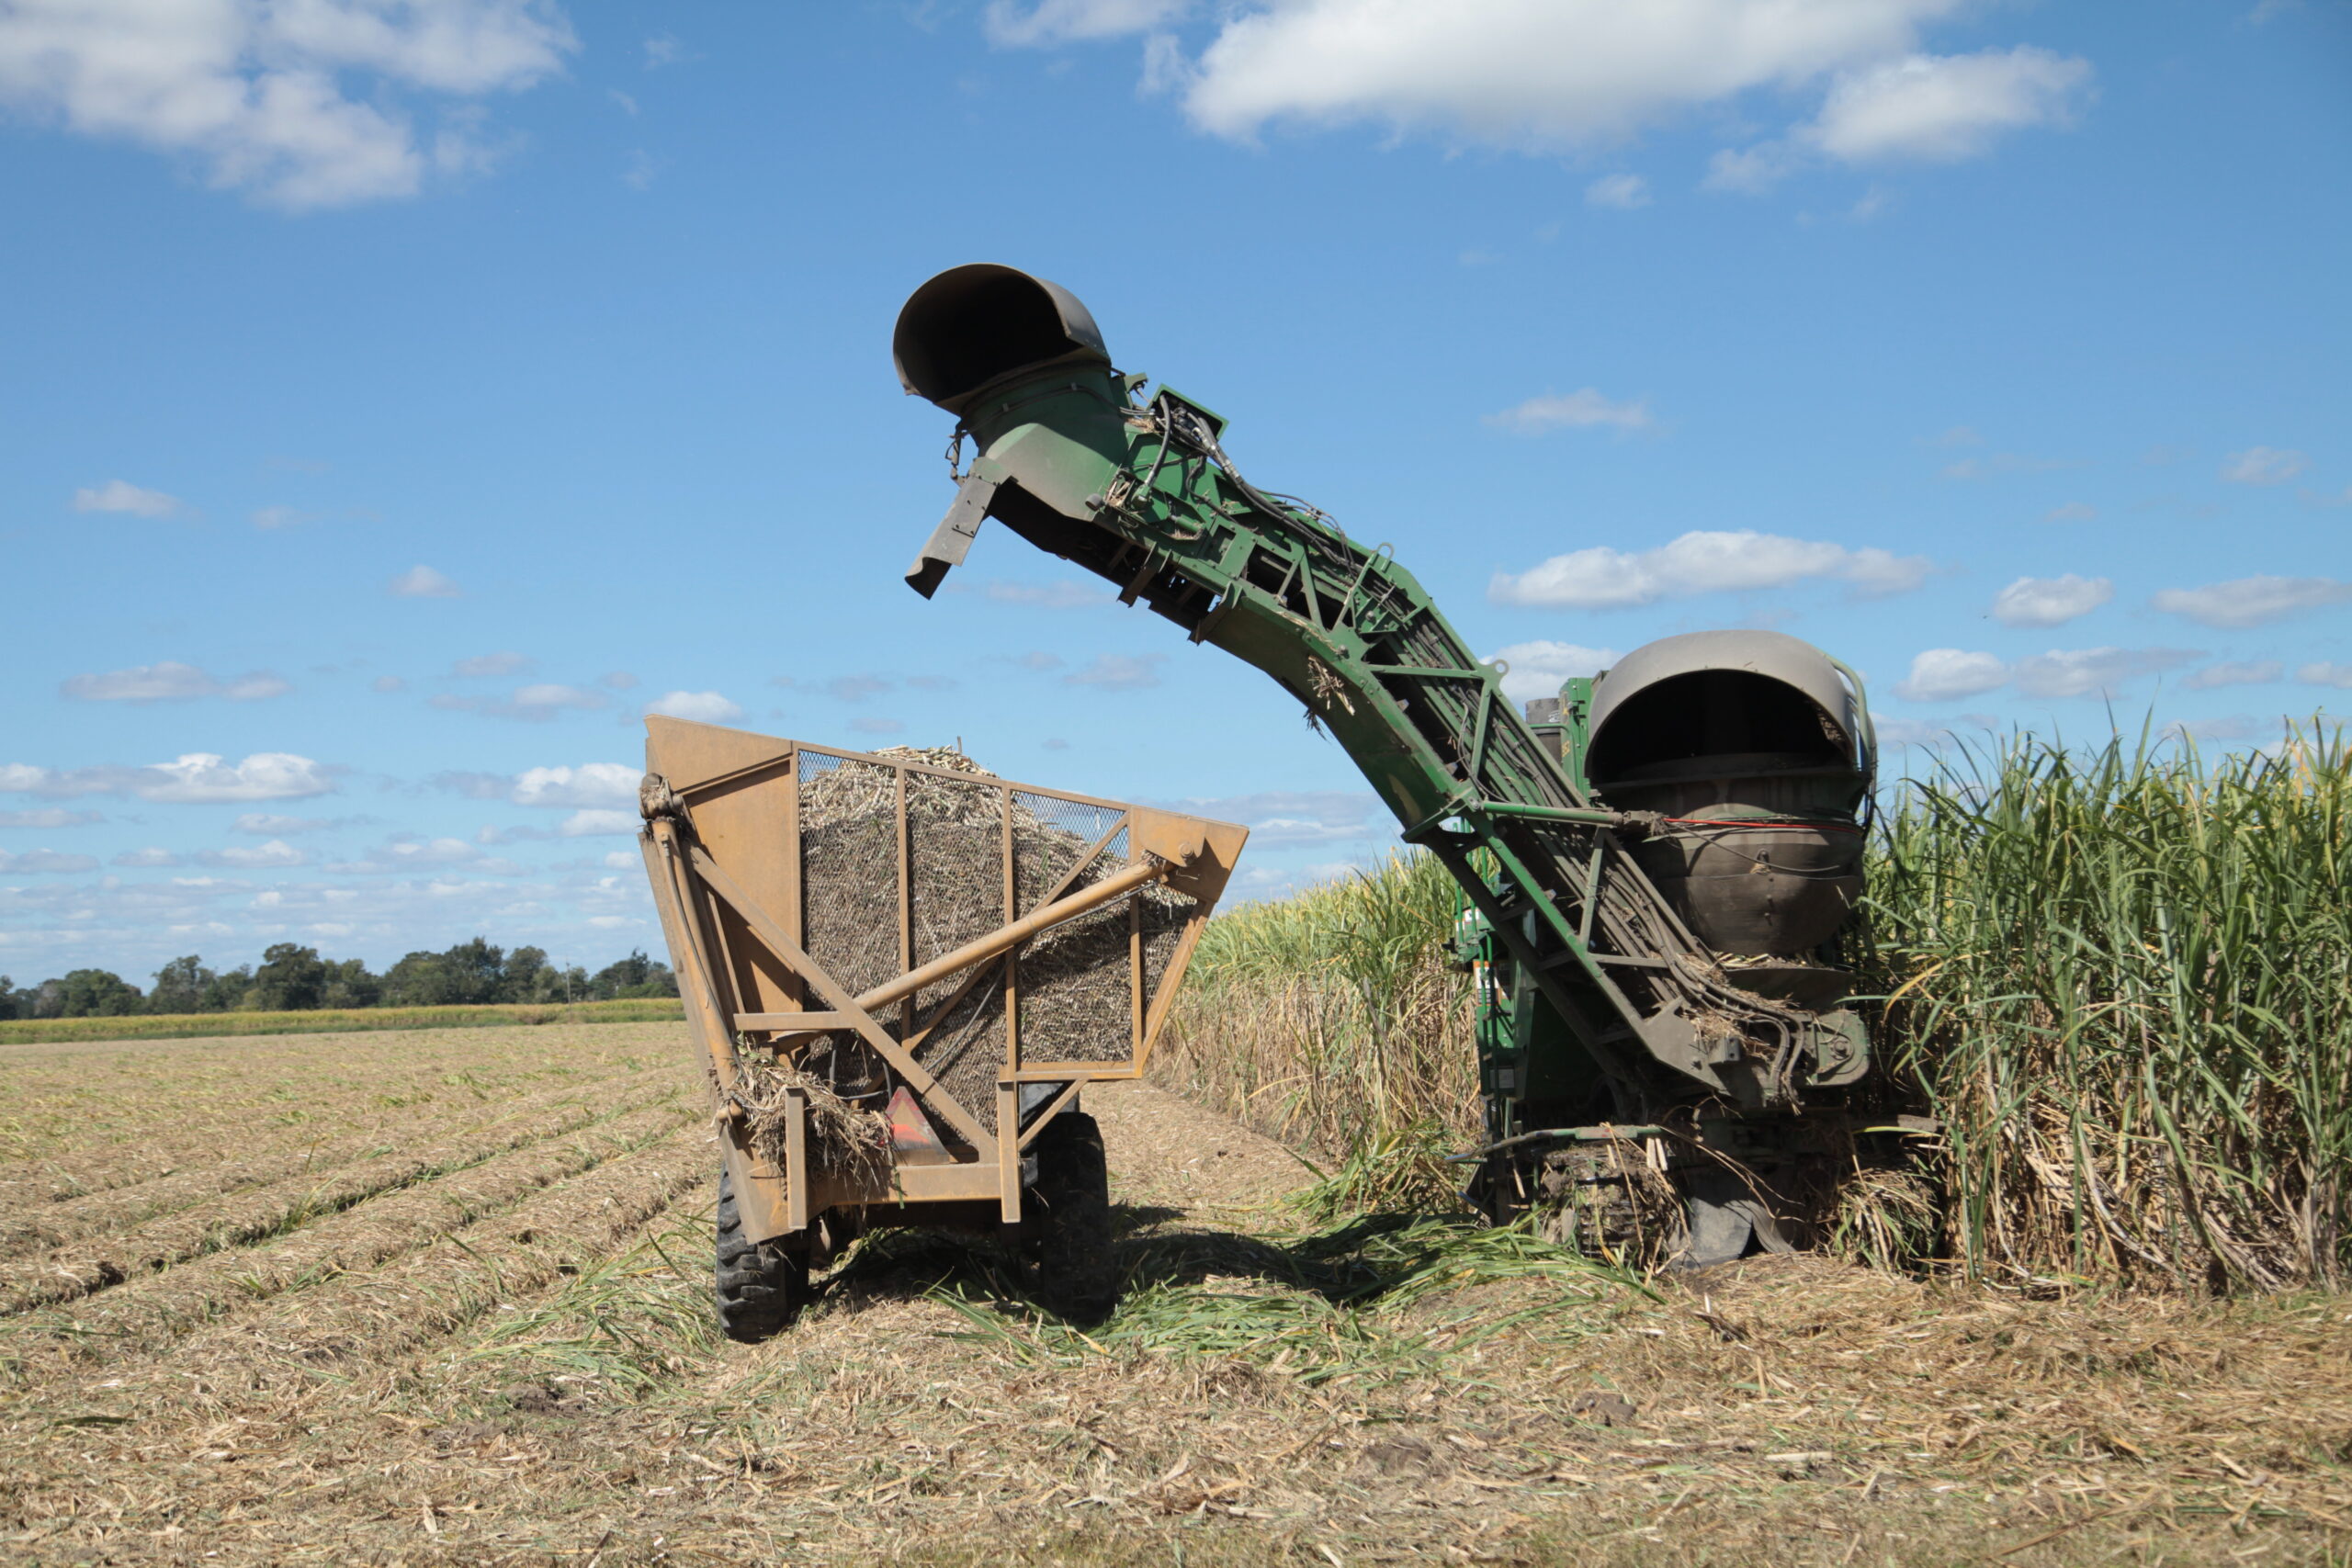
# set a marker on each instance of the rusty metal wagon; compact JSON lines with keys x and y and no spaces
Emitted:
{"x":903,"y":972}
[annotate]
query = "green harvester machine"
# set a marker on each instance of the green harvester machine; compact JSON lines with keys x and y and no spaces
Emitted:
{"x":1659,"y":866}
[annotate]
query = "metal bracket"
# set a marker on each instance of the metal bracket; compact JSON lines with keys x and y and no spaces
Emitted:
{"x":953,"y":538}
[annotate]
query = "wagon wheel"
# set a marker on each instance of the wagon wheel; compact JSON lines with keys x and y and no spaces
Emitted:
{"x":1069,"y":1208}
{"x":759,"y":1284}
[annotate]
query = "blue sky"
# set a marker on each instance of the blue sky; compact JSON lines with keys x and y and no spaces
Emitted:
{"x":404,"y":397}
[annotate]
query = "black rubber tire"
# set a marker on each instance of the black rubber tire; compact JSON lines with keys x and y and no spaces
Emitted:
{"x":759,"y":1286}
{"x":1070,"y":1212}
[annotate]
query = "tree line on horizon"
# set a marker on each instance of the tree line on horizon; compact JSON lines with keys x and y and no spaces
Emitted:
{"x":294,"y":978}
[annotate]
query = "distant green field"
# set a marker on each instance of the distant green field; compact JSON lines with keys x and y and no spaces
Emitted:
{"x":175,"y":1026}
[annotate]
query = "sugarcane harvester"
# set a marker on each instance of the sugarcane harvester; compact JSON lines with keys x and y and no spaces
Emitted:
{"x":1657,"y":872}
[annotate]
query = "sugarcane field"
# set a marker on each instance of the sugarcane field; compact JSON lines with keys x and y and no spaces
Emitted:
{"x":1101,"y":783}
{"x":445,"y":1297}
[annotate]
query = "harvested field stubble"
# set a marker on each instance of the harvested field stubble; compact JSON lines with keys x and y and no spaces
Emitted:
{"x":148,"y":1226}
{"x":81,"y":1117}
{"x":125,"y":1319}
{"x":334,"y":1020}
{"x":516,"y":1362}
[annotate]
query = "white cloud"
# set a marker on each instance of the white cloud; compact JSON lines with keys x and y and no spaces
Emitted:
{"x":1624,"y":191}
{"x":254,"y":94}
{"x":1908,"y":732}
{"x":265,"y":775}
{"x":1580,"y":410}
{"x":2326,"y":674}
{"x":1601,"y":577}
{"x":1999,"y":464}
{"x":1528,"y":74}
{"x":389,"y":904}
{"x":2247,"y":672}
{"x":44,"y":861}
{"x":548,"y":695}
{"x":2252,"y":601}
{"x":1943,"y":108}
{"x":871,"y":723}
{"x":48,"y":817}
{"x":197,"y":776}
{"x":616,"y":680}
{"x":704,"y":707}
{"x":423,"y":583}
{"x":641,"y":168}
{"x":115,"y":495}
{"x":2073,"y":512}
{"x":586,"y":824}
{"x":2232,"y":726}
{"x":508,"y":663}
{"x":1942,"y":674}
{"x":2050,"y":601}
{"x":533,"y":704}
{"x":388,"y":683}
{"x":589,"y":785}
{"x":1059,"y":21}
{"x":2090,"y":671}
{"x":27,"y":778}
{"x":1538,"y":667}
{"x":169,"y":681}
{"x":2264,"y":465}
{"x":270,"y":517}
{"x":273,"y":824}
{"x":1286,"y":818}
{"x":411,"y":853}
{"x":856,"y":688}
{"x":1749,"y":170}
{"x":1117,"y":672}
{"x":153,"y":857}
{"x":255,"y":857}
{"x":1878,"y":574}
{"x":1258,"y":883}
{"x":1545,"y":74}
{"x":1061,"y":594}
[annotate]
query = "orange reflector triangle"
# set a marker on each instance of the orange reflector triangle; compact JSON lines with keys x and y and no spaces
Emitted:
{"x":911,"y":1138}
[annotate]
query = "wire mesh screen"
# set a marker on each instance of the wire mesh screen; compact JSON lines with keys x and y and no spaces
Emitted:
{"x":1078,"y":981}
{"x":1163,"y":912}
{"x":965,"y":1049}
{"x":1073,"y":991}
{"x":955,"y":867}
{"x":849,"y":870}
{"x":956,"y":891}
{"x":1050,"y":837}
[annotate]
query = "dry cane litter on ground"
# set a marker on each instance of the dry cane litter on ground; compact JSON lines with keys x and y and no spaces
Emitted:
{"x":512,"y":1360}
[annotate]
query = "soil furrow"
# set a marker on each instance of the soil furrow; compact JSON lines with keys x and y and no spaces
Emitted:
{"x":93,"y":1120}
{"x":183,"y":1195}
{"x":506,"y":1257}
{"x":123,"y":1323}
{"x":96,"y":1263}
